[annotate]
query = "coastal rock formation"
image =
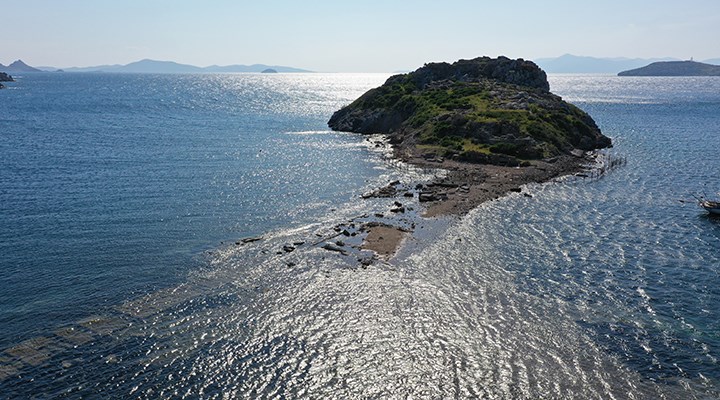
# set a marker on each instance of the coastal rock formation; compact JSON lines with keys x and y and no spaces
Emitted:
{"x":484,"y":110}
{"x":5,"y":78}
{"x":674,"y":68}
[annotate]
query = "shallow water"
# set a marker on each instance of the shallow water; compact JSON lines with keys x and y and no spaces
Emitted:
{"x":602,"y":288}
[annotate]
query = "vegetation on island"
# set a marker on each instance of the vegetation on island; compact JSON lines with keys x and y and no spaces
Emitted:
{"x":483,"y":110}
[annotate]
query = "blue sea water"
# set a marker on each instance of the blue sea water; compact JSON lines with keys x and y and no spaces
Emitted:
{"x":116,"y":192}
{"x":111,"y":184}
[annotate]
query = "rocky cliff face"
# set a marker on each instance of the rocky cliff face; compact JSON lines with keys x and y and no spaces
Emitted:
{"x":473,"y":110}
{"x":5,"y":77}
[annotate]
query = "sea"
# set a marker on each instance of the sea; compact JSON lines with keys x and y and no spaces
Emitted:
{"x":143,"y":220}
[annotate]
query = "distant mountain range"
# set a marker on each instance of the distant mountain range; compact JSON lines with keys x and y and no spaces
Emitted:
{"x":152,"y":66}
{"x":569,"y":63}
{"x":18,"y":66}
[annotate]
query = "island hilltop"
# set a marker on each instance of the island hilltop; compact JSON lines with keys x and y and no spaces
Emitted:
{"x":491,"y":121}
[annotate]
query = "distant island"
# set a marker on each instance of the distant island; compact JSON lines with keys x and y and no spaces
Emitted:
{"x":170,"y":67}
{"x":572,"y":64}
{"x":269,"y":71}
{"x":674,"y":68}
{"x":153,"y":67}
{"x":479,"y":118}
{"x":18,"y":67}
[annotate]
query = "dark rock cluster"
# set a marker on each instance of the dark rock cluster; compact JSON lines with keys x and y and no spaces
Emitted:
{"x":5,"y":78}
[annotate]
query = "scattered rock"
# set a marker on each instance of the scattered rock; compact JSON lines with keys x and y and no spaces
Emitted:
{"x":288,"y":248}
{"x":340,"y":243}
{"x":387,"y":191}
{"x":332,"y":247}
{"x":251,"y":239}
{"x":427,"y":196}
{"x":366,"y":261}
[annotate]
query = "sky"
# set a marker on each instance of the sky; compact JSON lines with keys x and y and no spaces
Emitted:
{"x":351,"y":36}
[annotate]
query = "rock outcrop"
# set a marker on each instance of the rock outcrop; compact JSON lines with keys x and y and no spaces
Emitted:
{"x":674,"y":68}
{"x":5,"y":78}
{"x":482,"y":110}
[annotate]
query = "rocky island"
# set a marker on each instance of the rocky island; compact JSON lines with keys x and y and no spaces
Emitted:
{"x":492,"y":122}
{"x":489,"y":111}
{"x":674,"y":68}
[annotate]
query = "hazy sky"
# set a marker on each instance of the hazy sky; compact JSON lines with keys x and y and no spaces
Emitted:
{"x":372,"y":36}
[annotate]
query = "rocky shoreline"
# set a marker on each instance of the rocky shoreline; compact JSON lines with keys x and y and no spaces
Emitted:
{"x":458,"y":188}
{"x":462,"y":188}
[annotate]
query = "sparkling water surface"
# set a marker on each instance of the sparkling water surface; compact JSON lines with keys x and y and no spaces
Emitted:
{"x":116,"y":191}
